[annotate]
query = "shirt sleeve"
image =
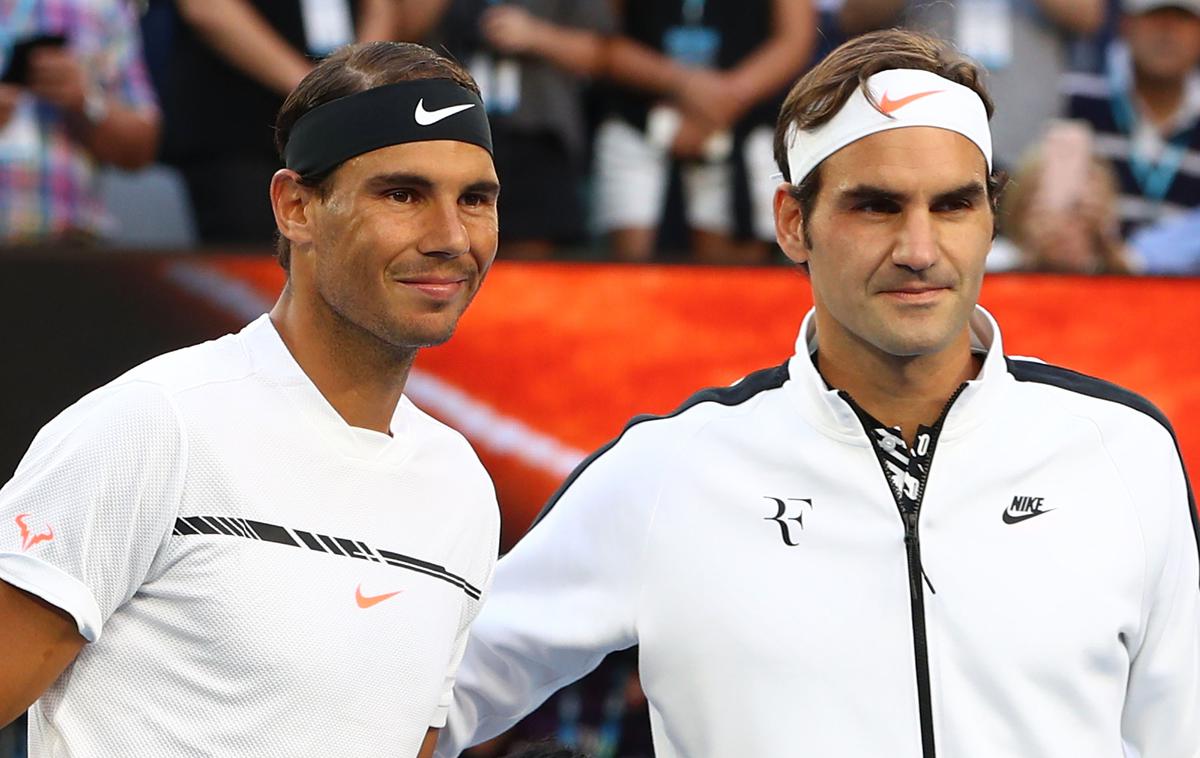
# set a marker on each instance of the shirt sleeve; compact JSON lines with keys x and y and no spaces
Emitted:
{"x":92,"y":501}
{"x":1161,"y":718}
{"x":563,"y":598}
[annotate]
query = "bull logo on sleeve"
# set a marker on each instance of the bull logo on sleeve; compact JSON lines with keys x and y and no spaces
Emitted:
{"x":28,"y":538}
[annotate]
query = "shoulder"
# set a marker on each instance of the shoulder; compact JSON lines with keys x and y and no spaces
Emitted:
{"x":697,"y":411}
{"x":1139,"y":438}
{"x":450,"y":449}
{"x":1112,"y":406}
{"x":434,"y":433}
{"x":647,"y":438}
{"x":216,"y":361}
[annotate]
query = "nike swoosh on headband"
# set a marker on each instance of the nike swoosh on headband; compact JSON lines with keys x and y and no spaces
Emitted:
{"x":427,"y":118}
{"x":889,"y":106}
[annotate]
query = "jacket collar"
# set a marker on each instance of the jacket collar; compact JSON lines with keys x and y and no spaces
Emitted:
{"x":826,"y":411}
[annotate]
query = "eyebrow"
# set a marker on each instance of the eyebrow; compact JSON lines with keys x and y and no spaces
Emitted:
{"x":972,"y":190}
{"x":418,"y":181}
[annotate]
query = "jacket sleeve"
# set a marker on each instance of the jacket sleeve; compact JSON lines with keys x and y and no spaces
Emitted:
{"x":562,"y":599}
{"x":1161,"y":718}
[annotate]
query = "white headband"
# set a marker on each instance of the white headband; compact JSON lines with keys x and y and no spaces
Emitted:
{"x":906,"y":97}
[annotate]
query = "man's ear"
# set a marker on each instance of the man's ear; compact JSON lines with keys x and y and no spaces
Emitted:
{"x":789,"y":226}
{"x":291,"y":201}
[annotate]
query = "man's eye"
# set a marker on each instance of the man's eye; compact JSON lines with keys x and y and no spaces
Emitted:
{"x":476,"y":199}
{"x":401,"y":196}
{"x":955,"y":205}
{"x":876,"y":206}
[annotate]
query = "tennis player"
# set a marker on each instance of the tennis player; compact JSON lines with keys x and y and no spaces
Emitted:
{"x":258,"y":546}
{"x":900,"y":542}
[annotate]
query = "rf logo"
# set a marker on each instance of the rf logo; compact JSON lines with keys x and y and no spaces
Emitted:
{"x":790,"y":517}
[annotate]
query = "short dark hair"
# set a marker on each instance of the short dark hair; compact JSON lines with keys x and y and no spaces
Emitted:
{"x":821,"y":93}
{"x":348,"y":71}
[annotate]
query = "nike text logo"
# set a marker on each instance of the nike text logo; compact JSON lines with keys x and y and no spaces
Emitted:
{"x":1024,"y":508}
{"x":366,"y":601}
{"x":28,"y":539}
{"x":889,"y":106}
{"x":427,"y":118}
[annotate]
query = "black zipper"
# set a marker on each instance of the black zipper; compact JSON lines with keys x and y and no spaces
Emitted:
{"x":910,"y":514}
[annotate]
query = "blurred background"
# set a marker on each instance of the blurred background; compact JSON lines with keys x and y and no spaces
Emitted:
{"x":637,"y":258}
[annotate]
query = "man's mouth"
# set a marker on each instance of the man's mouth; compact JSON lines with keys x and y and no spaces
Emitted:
{"x":436,"y":287}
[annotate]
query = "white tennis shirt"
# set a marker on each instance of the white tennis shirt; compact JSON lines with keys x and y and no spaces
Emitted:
{"x":254,"y":576}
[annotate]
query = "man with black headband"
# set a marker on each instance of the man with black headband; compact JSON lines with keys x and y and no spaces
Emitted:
{"x":258,"y":546}
{"x":898,"y":543}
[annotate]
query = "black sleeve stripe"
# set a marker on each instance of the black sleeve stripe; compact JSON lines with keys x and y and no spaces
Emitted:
{"x":759,"y":381}
{"x":1073,"y":381}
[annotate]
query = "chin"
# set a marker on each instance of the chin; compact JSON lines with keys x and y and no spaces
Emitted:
{"x":419,"y":336}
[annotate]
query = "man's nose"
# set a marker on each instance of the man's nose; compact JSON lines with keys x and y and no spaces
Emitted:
{"x":916,"y":248}
{"x":445,"y":234}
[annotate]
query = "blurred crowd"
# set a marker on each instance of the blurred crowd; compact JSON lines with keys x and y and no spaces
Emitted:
{"x":625,"y":130}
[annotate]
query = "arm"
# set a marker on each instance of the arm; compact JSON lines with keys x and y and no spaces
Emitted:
{"x":514,"y":30}
{"x":418,"y":18}
{"x":39,"y":641}
{"x":562,"y":599}
{"x":1083,"y":17}
{"x":431,"y":738}
{"x":860,"y":16}
{"x":379,"y":20}
{"x":125,"y":136}
{"x":242,"y":37}
{"x":773,"y":65}
{"x":1161,"y":717}
{"x":79,"y":527}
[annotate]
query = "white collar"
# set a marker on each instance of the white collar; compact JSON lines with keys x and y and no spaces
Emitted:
{"x":274,"y":362}
{"x":825,"y":409}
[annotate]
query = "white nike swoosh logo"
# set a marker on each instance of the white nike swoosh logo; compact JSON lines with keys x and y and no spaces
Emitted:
{"x":427,"y":118}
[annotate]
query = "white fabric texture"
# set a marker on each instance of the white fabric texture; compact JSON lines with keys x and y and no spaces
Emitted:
{"x":632,"y":175}
{"x":176,"y":506}
{"x":902,"y":98}
{"x":1073,"y":633}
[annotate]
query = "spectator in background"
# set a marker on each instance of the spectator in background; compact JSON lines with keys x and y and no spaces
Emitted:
{"x":1145,"y":110}
{"x":703,"y":84}
{"x":1170,"y":248}
{"x":528,"y":56}
{"x":75,"y":94}
{"x":1023,"y":44}
{"x":1060,"y":211}
{"x":231,"y":65}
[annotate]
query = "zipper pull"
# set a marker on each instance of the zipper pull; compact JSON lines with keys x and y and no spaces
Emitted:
{"x":927,"y":582}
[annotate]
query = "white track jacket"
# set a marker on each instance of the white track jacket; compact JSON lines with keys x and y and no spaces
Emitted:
{"x":1041,"y":600}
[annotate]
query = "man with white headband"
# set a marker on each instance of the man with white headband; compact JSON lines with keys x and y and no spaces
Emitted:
{"x":258,"y":546}
{"x":898,"y":543}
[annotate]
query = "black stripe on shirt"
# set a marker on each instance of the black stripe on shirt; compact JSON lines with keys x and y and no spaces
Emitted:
{"x":1073,"y":381}
{"x":759,"y":381}
{"x":344,"y":548}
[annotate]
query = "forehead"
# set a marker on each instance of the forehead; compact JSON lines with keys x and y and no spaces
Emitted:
{"x":910,"y":159}
{"x":440,"y":161}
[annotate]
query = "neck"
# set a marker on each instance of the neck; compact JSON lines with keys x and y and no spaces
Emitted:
{"x":358,"y":374}
{"x":899,"y":391}
{"x":1160,"y":97}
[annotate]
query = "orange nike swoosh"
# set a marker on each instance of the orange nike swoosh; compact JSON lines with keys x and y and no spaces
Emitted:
{"x":366,"y":601}
{"x":889,"y":106}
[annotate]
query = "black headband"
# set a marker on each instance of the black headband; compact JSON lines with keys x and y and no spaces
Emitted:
{"x":413,"y":111}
